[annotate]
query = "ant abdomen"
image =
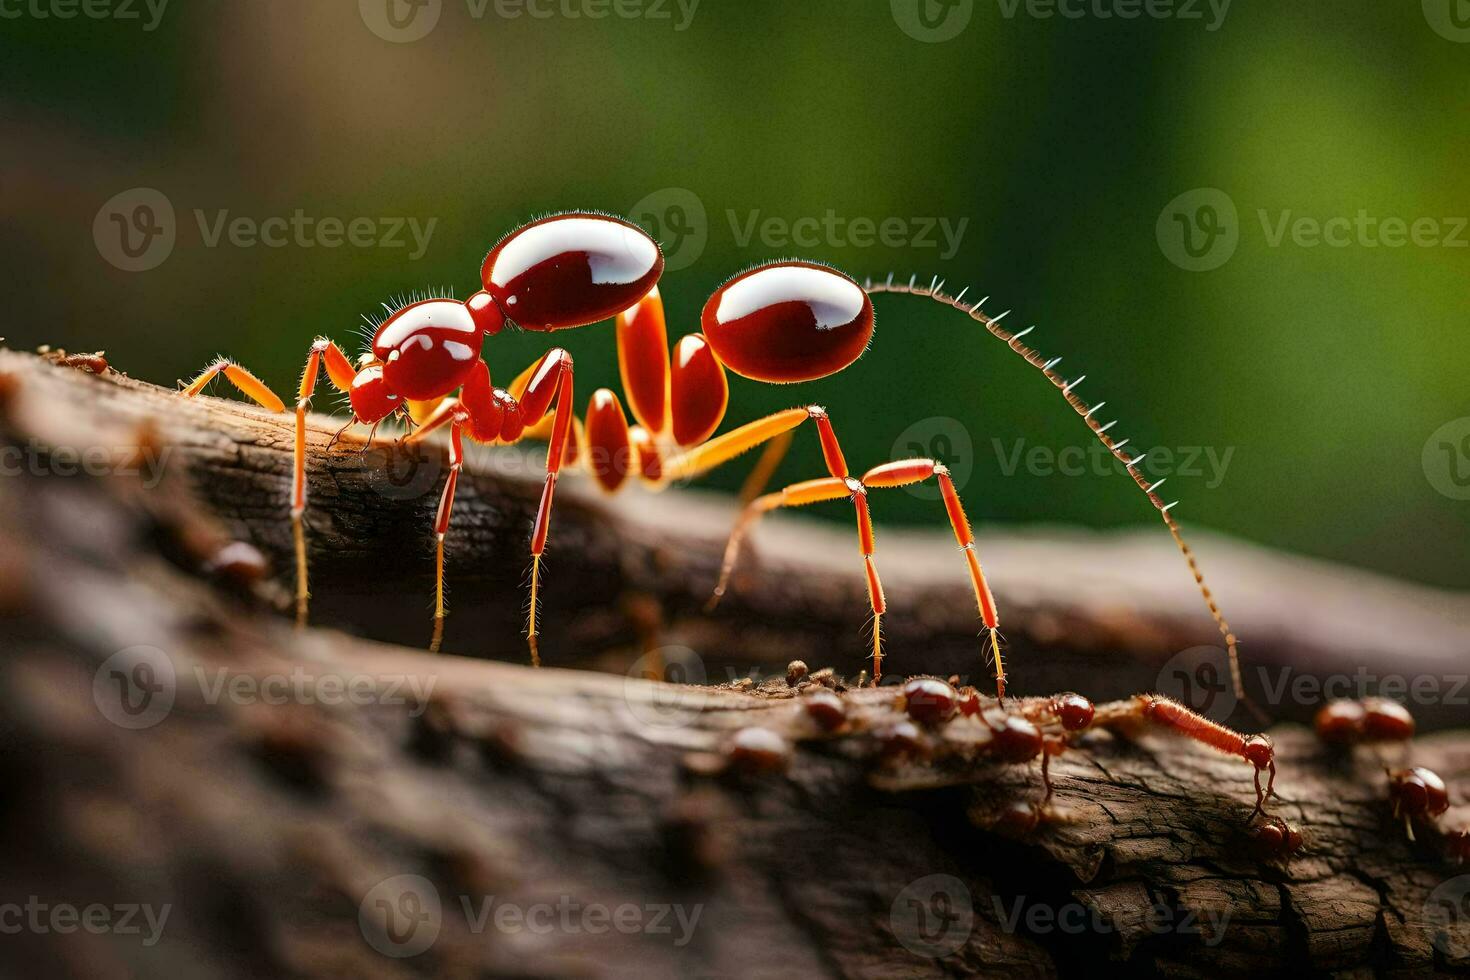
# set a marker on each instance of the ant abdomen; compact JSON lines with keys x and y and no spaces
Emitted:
{"x":789,"y":321}
{"x":570,"y":270}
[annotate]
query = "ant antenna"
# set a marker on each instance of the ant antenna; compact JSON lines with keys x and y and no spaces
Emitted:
{"x":1013,"y":340}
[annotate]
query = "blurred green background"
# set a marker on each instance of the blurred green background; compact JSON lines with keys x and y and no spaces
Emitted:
{"x":1321,"y":370}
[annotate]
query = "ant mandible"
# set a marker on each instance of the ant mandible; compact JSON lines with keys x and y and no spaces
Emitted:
{"x":783,"y":322}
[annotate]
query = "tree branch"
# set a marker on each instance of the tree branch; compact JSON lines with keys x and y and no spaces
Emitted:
{"x":271,"y":830}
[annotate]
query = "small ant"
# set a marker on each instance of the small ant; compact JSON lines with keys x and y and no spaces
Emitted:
{"x":1419,"y":796}
{"x":779,"y":323}
{"x":1045,"y":727}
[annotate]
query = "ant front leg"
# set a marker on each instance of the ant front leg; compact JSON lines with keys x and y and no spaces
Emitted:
{"x":340,"y":372}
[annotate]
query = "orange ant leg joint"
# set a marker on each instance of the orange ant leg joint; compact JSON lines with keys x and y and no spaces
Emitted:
{"x":908,"y":471}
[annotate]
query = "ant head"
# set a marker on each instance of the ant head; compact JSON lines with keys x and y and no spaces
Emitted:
{"x":371,"y":400}
{"x":1418,"y":792}
{"x":1275,"y":838}
{"x":1073,"y":710}
{"x":1258,"y":751}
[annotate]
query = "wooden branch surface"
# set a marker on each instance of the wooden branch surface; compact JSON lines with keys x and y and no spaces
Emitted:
{"x":271,"y":830}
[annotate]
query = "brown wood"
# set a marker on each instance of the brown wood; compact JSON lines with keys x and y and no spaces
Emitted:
{"x":266,"y":828}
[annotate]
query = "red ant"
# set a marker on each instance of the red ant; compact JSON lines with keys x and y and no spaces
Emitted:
{"x":1047,"y":726}
{"x":779,"y":323}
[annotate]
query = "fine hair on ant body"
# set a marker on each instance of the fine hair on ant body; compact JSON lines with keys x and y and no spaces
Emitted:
{"x":782,"y":322}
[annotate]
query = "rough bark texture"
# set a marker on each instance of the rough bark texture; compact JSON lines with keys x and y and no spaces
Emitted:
{"x":279,"y":835}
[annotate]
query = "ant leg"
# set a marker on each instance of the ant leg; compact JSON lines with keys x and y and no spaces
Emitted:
{"x":339,"y":371}
{"x":755,"y":484}
{"x":909,"y":471}
{"x":441,"y":519}
{"x":811,"y":492}
{"x":550,"y":379}
{"x":248,"y":384}
{"x":733,"y":443}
